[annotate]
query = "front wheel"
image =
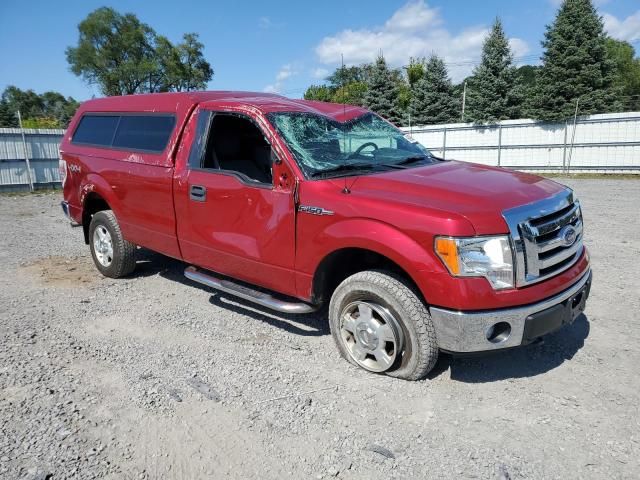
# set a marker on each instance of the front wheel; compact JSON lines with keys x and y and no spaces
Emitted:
{"x":113,"y":255}
{"x":381,"y":325}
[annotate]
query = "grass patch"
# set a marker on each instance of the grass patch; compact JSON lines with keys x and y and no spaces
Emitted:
{"x":595,"y":176}
{"x":26,"y":193}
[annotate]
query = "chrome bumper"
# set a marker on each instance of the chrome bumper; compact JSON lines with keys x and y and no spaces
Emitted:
{"x":469,"y":331}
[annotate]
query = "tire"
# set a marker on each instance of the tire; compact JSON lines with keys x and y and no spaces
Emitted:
{"x":414,"y":350}
{"x":113,"y":256}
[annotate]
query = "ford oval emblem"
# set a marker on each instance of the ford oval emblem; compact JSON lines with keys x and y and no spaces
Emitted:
{"x":568,"y":235}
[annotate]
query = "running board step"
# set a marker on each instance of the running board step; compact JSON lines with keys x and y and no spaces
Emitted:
{"x":247,"y":293}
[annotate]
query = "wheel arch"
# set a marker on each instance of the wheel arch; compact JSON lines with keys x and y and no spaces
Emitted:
{"x":344,"y":262}
{"x":95,"y":196}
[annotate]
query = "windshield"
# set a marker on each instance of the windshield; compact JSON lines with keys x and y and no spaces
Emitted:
{"x":324,"y":147}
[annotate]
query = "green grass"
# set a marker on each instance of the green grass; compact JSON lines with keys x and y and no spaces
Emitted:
{"x":25,"y":193}
{"x":596,"y":176}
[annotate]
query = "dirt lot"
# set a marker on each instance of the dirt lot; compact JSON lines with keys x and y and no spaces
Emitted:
{"x":154,"y":377}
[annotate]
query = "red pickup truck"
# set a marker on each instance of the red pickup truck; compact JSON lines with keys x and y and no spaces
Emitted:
{"x":295,"y":204}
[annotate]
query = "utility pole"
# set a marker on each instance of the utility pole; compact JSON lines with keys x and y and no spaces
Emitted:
{"x":464,"y":98}
{"x":26,"y":155}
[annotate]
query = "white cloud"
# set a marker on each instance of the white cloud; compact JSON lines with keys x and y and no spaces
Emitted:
{"x":320,"y":72}
{"x":626,"y":29}
{"x":414,"y":30}
{"x":282,"y":76}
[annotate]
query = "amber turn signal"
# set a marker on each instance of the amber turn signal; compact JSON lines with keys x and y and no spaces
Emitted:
{"x":447,"y":250}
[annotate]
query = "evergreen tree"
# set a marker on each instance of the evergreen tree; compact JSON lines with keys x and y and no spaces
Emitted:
{"x":493,"y":93}
{"x":575,"y":66}
{"x":7,"y":117}
{"x":382,"y":95}
{"x":432,"y":99}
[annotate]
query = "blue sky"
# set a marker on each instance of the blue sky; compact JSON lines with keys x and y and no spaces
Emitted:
{"x":286,"y":45}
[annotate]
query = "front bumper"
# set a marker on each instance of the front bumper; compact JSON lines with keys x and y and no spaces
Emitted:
{"x":510,"y":327}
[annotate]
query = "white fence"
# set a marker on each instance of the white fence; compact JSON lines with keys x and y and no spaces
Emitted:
{"x":600,"y":143}
{"x":41,"y":152}
{"x":608,"y":143}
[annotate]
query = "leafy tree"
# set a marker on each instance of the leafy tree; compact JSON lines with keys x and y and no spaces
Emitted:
{"x":352,"y":94}
{"x":27,"y":102}
{"x":415,"y":70}
{"x":321,"y":93}
{"x":627,"y":68}
{"x":575,"y":66}
{"x":382,"y":94}
{"x":346,"y":75}
{"x":7,"y":116}
{"x":114,"y":51}
{"x":49,"y":110}
{"x":61,"y":109}
{"x":432,"y":98}
{"x":492,"y":90}
{"x":124,"y":56}
{"x":345,"y":85}
{"x":186,"y":68}
{"x":40,"y":122}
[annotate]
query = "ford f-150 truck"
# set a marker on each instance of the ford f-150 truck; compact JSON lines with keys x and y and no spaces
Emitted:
{"x":294,"y":204}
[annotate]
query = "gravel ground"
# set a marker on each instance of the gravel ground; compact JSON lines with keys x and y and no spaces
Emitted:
{"x":156,"y":377}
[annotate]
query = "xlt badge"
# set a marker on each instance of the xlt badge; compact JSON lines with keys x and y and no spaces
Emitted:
{"x":314,"y":210}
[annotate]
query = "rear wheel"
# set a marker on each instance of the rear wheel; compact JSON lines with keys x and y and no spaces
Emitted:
{"x":112,"y":254}
{"x":381,"y":325}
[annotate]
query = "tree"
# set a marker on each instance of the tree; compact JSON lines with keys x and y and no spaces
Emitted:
{"x":492,"y":91}
{"x":575,"y":66}
{"x":432,"y":99}
{"x":627,"y":72}
{"x":352,"y":94}
{"x":125,"y":56}
{"x":114,"y":51}
{"x":27,"y":102}
{"x":49,"y":110}
{"x":59,"y":108}
{"x":40,"y":122}
{"x":382,"y":94}
{"x":7,"y":117}
{"x":320,"y":93}
{"x":345,"y":75}
{"x":415,"y":70}
{"x":181,"y":67}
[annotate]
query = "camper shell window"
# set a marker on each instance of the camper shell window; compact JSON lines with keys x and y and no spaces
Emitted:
{"x":139,"y":132}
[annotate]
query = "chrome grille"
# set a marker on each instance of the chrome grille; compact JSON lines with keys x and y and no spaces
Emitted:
{"x":547,"y":237}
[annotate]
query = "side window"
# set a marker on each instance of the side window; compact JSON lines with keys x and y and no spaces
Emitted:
{"x":147,"y":133}
{"x":199,"y":145}
{"x":236,"y":144}
{"x":144,"y":132}
{"x":96,"y":130}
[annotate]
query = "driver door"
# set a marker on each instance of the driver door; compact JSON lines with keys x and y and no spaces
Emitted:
{"x":234,"y":201}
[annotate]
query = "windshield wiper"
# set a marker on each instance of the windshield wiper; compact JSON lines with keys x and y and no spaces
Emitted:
{"x":347,"y":167}
{"x":408,"y":161}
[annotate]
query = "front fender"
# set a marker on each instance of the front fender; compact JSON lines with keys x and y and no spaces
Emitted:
{"x":414,"y":258}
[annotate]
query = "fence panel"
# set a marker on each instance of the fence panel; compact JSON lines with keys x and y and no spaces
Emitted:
{"x":608,"y":143}
{"x":42,"y":151}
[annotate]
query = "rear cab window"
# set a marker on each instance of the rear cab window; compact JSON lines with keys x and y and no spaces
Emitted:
{"x":125,"y":131}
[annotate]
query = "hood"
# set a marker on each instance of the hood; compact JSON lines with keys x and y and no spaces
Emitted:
{"x":477,"y":192}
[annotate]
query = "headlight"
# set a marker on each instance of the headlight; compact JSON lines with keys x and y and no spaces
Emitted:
{"x":488,"y":257}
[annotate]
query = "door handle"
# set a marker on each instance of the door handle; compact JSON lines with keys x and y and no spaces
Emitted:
{"x":197,"y":193}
